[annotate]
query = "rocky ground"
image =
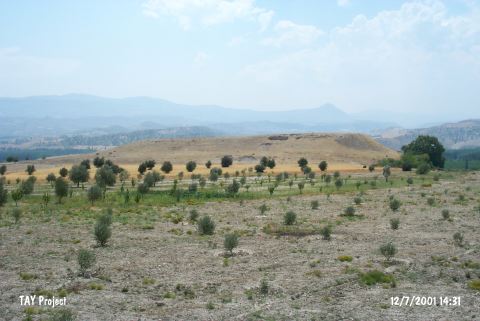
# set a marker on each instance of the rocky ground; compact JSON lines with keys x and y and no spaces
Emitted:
{"x":154,"y":269}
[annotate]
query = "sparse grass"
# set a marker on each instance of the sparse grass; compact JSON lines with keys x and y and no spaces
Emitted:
{"x":345,"y":258}
{"x":474,"y":284}
{"x":373,"y":277}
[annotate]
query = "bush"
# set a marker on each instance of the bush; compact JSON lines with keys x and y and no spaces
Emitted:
{"x":394,"y":223}
{"x":375,"y":276}
{"x":423,"y":169}
{"x":445,"y":214}
{"x":357,"y":200}
{"x":143,"y":188}
{"x":458,"y":239}
{"x":338,"y":183}
{"x":206,"y":226}
{"x":371,"y":168}
{"x":345,"y":258}
{"x":3,"y":194}
{"x":16,"y":214}
{"x":394,"y":204}
{"x":86,"y":259}
{"x":349,"y":211}
{"x":94,"y":193}
{"x":409,"y":181}
{"x":194,"y":215}
{"x":263,"y":208}
{"x":103,"y":230}
{"x":388,"y":250}
{"x":230,"y":242}
{"x":289,"y":218}
{"x":314,"y":204}
{"x":259,"y":168}
{"x":264,"y":287}
{"x":474,"y":285}
{"x":431,"y":201}
{"x":326,"y":232}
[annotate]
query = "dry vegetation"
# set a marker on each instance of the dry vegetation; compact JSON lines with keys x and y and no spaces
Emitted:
{"x":346,"y":152}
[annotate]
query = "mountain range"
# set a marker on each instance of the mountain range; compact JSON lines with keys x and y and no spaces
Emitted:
{"x":80,"y":114}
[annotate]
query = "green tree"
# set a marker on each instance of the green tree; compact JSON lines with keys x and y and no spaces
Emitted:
{"x":167,"y":167}
{"x":208,"y":164}
{"x":94,"y":193}
{"x":259,"y":168}
{"x":150,"y":164}
{"x":227,"y":161}
{"x":86,"y":163}
{"x":3,"y":169}
{"x":386,"y":172}
{"x":3,"y":194}
{"x":429,"y":145}
{"x":271,"y":163}
{"x":61,"y":189}
{"x":98,"y":162}
{"x":230,"y":242}
{"x":323,"y":166}
{"x":142,"y":168}
{"x":191,"y":165}
{"x":30,"y":169}
{"x":302,"y":162}
{"x":79,"y":174}
{"x":51,"y":178}
{"x":17,"y":195}
{"x":105,"y":177}
{"x":63,"y":172}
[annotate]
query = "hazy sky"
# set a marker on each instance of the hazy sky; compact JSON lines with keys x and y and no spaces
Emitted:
{"x":264,"y":54}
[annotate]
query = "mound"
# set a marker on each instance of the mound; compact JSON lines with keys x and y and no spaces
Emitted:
{"x":338,"y":148}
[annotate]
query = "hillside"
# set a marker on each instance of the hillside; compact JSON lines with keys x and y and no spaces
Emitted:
{"x":286,"y":149}
{"x":463,"y":134}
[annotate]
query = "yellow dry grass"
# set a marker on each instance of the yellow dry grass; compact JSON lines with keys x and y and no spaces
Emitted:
{"x":344,"y":152}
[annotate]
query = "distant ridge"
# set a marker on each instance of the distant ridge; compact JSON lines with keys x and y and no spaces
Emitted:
{"x":463,"y":134}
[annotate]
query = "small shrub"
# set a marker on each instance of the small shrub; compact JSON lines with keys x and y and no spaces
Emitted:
{"x":326,"y":232}
{"x":349,"y":211}
{"x":394,"y":204}
{"x":264,"y":287}
{"x":388,"y":250}
{"x":357,"y":200}
{"x":16,"y":214}
{"x":210,"y":306}
{"x":194,"y":215}
{"x":263,"y":208}
{"x":345,"y":258}
{"x":86,"y":259}
{"x":375,"y":276}
{"x":458,"y":239}
{"x":409,"y":181}
{"x":289,"y":218}
{"x":394,"y":223}
{"x":206,"y":226}
{"x":230,"y":242}
{"x":431,"y":201}
{"x":474,"y":284}
{"x":445,"y":214}
{"x":314,"y":204}
{"x":102,"y":232}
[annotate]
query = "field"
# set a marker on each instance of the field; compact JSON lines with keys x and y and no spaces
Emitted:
{"x":158,"y":266}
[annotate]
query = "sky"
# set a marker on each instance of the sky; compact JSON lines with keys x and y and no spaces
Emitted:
{"x":395,"y":56}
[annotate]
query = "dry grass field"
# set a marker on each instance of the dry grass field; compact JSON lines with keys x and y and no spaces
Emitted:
{"x":346,"y":152}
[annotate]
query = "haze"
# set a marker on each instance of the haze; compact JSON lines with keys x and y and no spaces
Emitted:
{"x":396,"y":56}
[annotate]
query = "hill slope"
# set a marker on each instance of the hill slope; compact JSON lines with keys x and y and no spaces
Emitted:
{"x":286,"y":149}
{"x":463,"y":134}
